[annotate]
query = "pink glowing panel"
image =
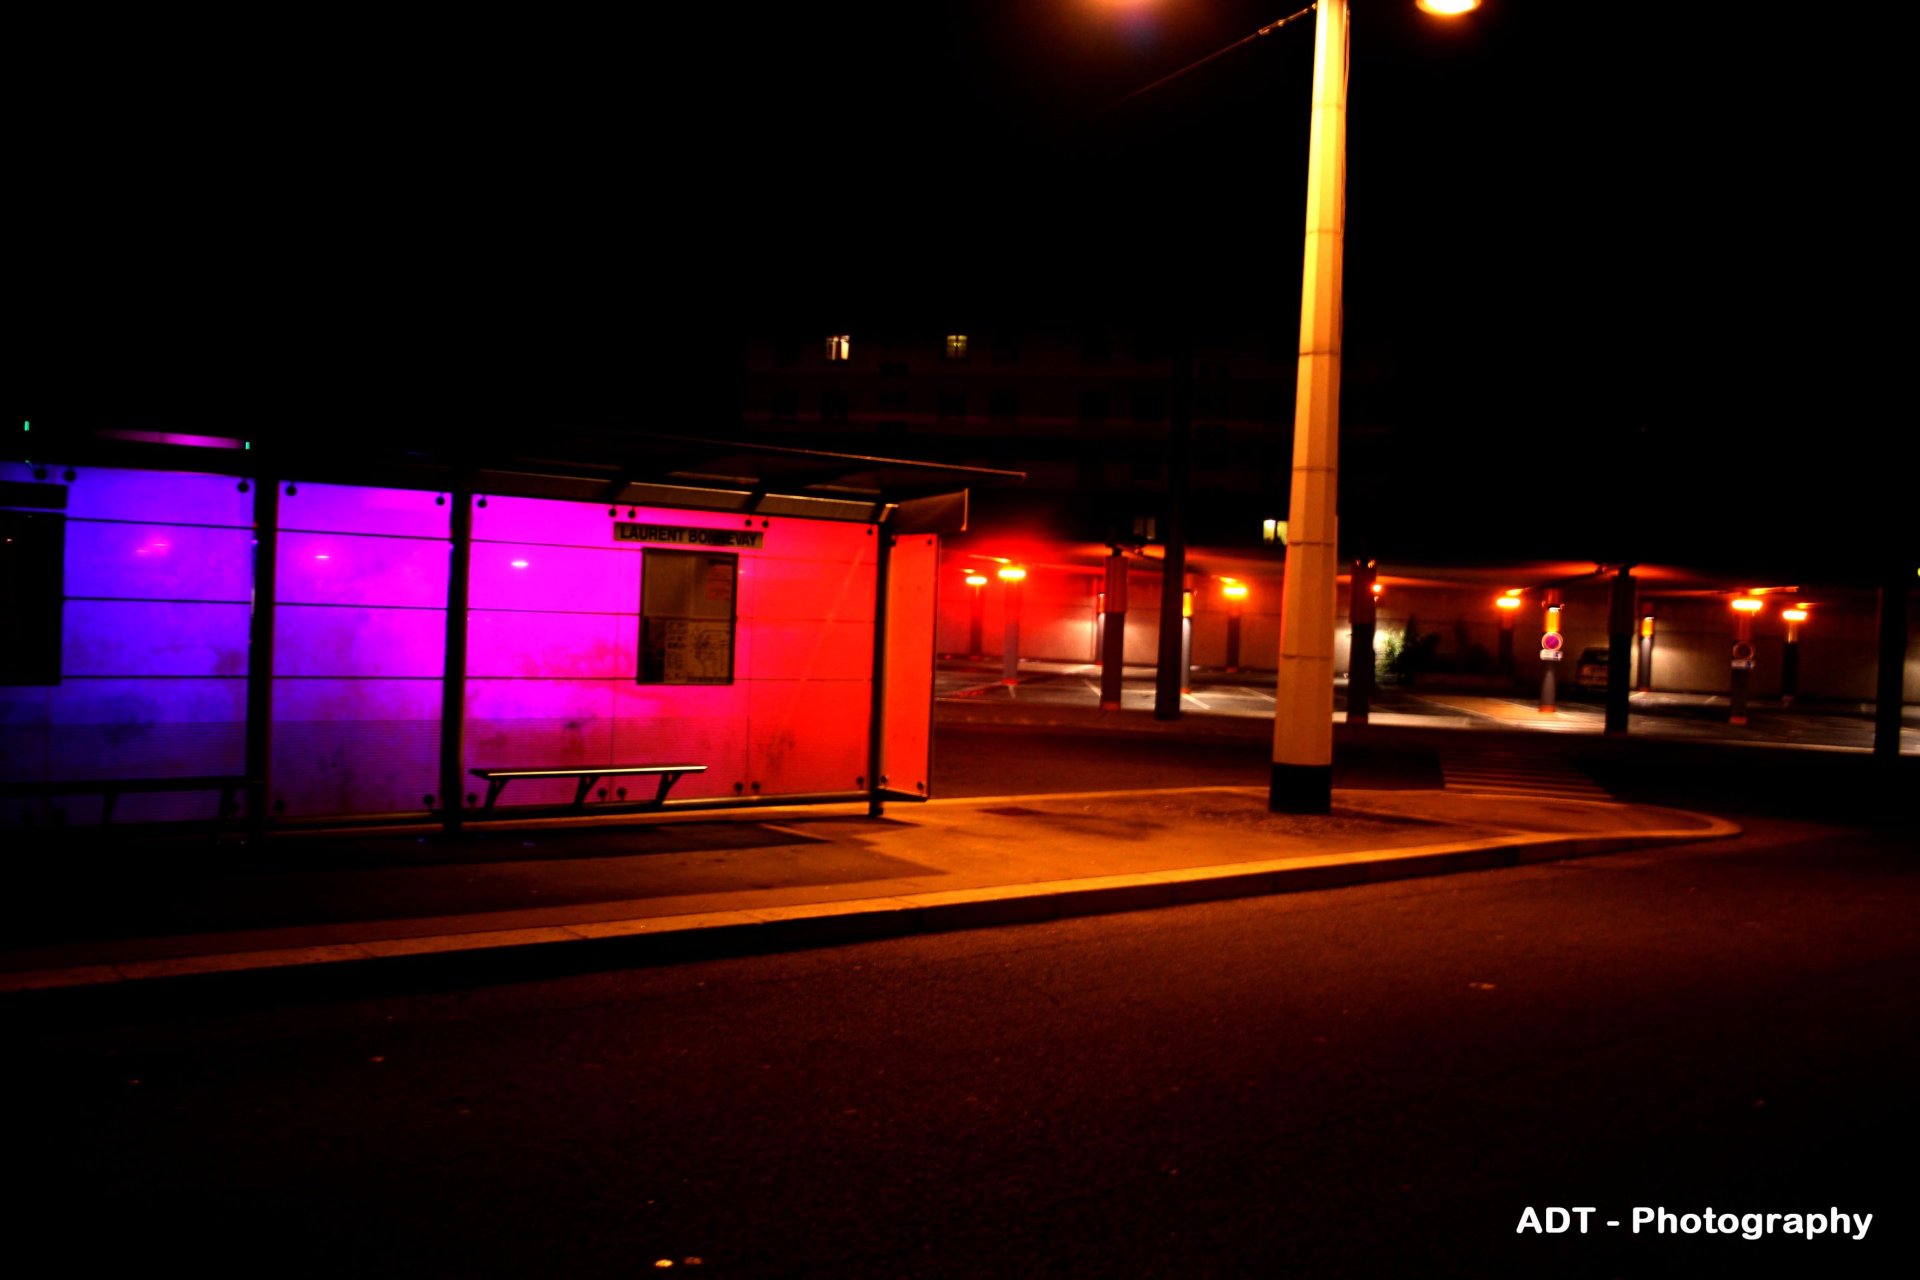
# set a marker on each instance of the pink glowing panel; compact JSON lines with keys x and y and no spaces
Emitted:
{"x":774,"y":588}
{"x":550,"y":645}
{"x":345,"y":641}
{"x":158,"y":562}
{"x":821,"y":541}
{"x":153,"y":638}
{"x":340,"y":568}
{"x":336,"y":508}
{"x":907,"y":718}
{"x":807,"y":736}
{"x":158,"y":496}
{"x":808,"y":650}
{"x":704,"y":724}
{"x":554,"y":579}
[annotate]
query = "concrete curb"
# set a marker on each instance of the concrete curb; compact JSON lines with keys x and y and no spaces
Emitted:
{"x":526,"y":954}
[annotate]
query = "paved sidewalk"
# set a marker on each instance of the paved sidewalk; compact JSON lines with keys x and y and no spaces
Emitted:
{"x":522,"y":900}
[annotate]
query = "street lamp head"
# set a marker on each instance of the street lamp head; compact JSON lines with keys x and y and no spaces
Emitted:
{"x":976,"y":579}
{"x":1748,"y":604}
{"x":1446,"y":8}
{"x":1012,"y":573}
{"x":1794,"y":615}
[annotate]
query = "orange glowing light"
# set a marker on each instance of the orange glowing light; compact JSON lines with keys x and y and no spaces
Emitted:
{"x":1234,"y":590}
{"x":1377,"y":588}
{"x":1794,"y":615}
{"x":976,"y":579}
{"x":1748,"y":604}
{"x":1446,"y":8}
{"x":1012,"y":573}
{"x":1506,"y":602}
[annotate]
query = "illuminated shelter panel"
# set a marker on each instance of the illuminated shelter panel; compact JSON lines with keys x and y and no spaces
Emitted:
{"x":359,"y":649}
{"x":148,"y":619}
{"x":334,"y":508}
{"x":552,"y":579}
{"x":907,"y":716}
{"x":549,"y":646}
{"x":776,"y":587}
{"x":123,"y":561}
{"x":153,"y":638}
{"x":355,"y":745}
{"x":358,"y":569}
{"x":157,"y":497}
{"x":807,"y":736}
{"x":127,"y":727}
{"x":339,"y":641}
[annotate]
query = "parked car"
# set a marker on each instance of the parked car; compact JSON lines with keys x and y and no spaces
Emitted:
{"x":1591,"y":671}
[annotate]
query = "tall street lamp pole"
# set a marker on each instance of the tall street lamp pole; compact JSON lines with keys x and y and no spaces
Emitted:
{"x":1302,"y":778}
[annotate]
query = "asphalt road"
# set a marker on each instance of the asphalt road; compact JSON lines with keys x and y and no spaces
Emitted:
{"x":1367,"y":1082}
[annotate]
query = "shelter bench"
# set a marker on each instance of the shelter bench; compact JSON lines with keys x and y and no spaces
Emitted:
{"x":110,"y":789}
{"x":588,"y":775}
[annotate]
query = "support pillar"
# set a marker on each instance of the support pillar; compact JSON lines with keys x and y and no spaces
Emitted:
{"x":877,"y":708}
{"x":1361,"y":612}
{"x":1113,"y":633}
{"x":1890,"y":675}
{"x":259,"y":742}
{"x":1646,"y":654}
{"x":1169,"y":670}
{"x":1620,"y":613}
{"x":1010,"y":616}
{"x":453,"y":680}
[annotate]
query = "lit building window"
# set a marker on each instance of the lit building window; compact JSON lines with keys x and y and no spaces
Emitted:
{"x":839,"y":346}
{"x":956,"y":346}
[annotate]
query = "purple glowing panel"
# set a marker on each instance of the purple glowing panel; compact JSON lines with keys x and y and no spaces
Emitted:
{"x":340,"y":568}
{"x":315,"y":640}
{"x":158,"y":562}
{"x":158,"y":497}
{"x":358,"y":745}
{"x":583,"y":524}
{"x":530,"y":576}
{"x":408,"y":513}
{"x":147,"y":728}
{"x":360,"y":646}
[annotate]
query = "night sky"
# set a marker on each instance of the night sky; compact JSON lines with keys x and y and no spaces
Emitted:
{"x":1629,"y":269}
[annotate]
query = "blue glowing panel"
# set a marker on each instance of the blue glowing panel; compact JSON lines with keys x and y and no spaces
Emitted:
{"x":158,"y":562}
{"x":153,"y":638}
{"x":158,"y":497}
{"x":133,"y":727}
